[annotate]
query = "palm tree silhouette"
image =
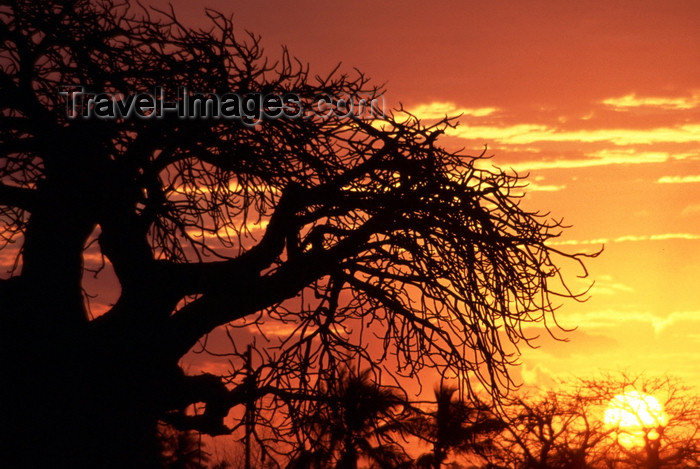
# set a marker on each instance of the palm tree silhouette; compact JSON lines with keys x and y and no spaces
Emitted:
{"x":358,"y":420}
{"x":456,"y":426}
{"x":181,"y":449}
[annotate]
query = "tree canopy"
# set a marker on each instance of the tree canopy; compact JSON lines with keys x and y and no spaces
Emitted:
{"x":351,"y":230}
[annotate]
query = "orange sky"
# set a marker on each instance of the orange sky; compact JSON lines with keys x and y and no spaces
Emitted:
{"x":598,"y":100}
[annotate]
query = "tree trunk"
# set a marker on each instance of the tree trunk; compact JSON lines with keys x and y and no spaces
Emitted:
{"x":75,"y":402}
{"x":438,"y":457}
{"x":348,"y":458}
{"x":653,"y":461}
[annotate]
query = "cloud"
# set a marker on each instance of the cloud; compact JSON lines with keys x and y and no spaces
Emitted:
{"x":578,"y":242}
{"x":678,"y":179}
{"x":537,"y":375}
{"x":628,"y":238}
{"x":614,"y":318}
{"x":529,"y":136}
{"x":530,"y":133}
{"x":665,"y":236}
{"x":601,"y":158}
{"x":532,"y":187}
{"x":8,"y":257}
{"x":690,"y":210}
{"x":675,"y":318}
{"x":602,"y":319}
{"x":228,"y":231}
{"x":274,"y":328}
{"x":632,"y":101}
{"x":605,"y":285}
{"x":97,"y":308}
{"x":438,"y":110}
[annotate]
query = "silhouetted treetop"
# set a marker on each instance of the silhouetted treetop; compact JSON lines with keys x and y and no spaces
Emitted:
{"x":353,"y":230}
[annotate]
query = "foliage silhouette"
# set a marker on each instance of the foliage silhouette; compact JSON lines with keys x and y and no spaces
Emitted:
{"x":456,"y":426}
{"x":181,"y":450}
{"x":336,"y":228}
{"x":359,"y":419}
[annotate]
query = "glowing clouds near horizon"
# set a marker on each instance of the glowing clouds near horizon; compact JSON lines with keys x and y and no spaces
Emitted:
{"x":631,"y":101}
{"x":634,"y":415}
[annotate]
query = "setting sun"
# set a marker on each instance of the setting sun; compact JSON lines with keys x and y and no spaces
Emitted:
{"x":634,"y":415}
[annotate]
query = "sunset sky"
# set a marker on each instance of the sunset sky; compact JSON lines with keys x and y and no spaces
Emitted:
{"x":599,"y":101}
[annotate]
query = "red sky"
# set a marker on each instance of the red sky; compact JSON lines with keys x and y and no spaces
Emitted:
{"x":598,"y":100}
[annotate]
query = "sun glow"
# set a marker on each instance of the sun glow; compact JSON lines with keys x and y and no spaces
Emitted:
{"x":634,"y":416}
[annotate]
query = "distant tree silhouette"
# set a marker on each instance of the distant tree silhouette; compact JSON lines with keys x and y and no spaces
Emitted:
{"x":565,"y":429}
{"x":181,"y":450}
{"x":359,"y":419}
{"x":457,"y":426}
{"x":339,"y":228}
{"x":550,"y":432}
{"x":671,"y":441}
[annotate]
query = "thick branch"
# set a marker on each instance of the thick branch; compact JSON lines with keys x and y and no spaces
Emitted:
{"x":19,"y":197}
{"x":211,"y":390}
{"x":247,"y":294}
{"x":209,"y":277}
{"x":219,"y":400}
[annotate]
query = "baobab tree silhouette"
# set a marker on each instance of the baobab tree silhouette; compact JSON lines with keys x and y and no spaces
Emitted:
{"x":364,"y":224}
